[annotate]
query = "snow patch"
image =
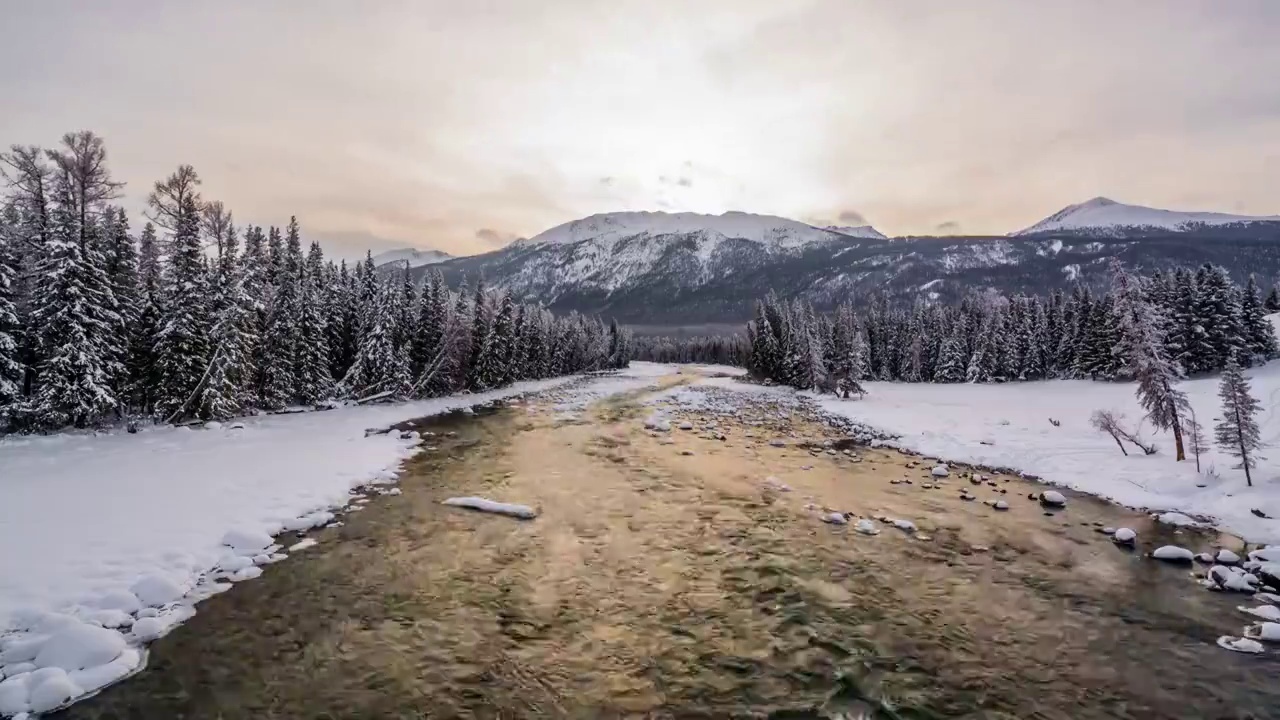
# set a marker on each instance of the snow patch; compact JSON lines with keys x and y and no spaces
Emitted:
{"x":523,"y":512}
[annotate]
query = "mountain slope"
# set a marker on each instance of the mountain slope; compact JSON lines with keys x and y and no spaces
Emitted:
{"x":415,"y":257}
{"x":767,"y":230}
{"x":1102,"y":216}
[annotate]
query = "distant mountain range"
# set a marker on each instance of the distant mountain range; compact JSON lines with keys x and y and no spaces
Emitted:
{"x":685,"y":268}
{"x":413,"y":257}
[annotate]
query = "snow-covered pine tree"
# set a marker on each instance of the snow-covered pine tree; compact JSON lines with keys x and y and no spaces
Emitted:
{"x":311,"y":371}
{"x":1217,"y":311}
{"x":224,"y":388}
{"x":953,"y":364}
{"x":275,"y":255}
{"x":1272,"y":303}
{"x":1237,"y":430}
{"x":11,"y":370}
{"x":280,"y":384}
{"x":344,"y":320}
{"x":1259,"y":335}
{"x":143,"y":371}
{"x":74,"y":309}
{"x":494,"y":364}
{"x":1142,"y":348}
{"x":380,"y":368}
{"x":182,"y":344}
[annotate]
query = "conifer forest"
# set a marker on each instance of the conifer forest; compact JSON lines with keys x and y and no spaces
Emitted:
{"x":191,"y":316}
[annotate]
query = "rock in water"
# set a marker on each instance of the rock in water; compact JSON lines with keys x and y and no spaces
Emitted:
{"x":523,"y":512}
{"x":867,"y":527}
{"x":1266,"y":612}
{"x":940,"y":471}
{"x":1001,"y":505}
{"x":1265,"y":631}
{"x":1226,"y":557}
{"x":835,"y":518}
{"x":1124,"y":536}
{"x":1240,"y":645}
{"x":1172,"y":553}
{"x":1052,"y":498}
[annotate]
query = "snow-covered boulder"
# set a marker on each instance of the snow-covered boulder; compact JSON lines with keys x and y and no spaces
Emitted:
{"x":1220,"y":577}
{"x":1206,"y":558}
{"x":1266,"y":612}
{"x":1052,"y":498}
{"x":905,"y":525}
{"x":148,"y":629}
{"x":1226,"y":557}
{"x":1124,"y":536}
{"x":1001,"y":505}
{"x":156,"y":590}
{"x":1265,"y":631}
{"x":80,"y":646}
{"x":246,"y":542}
{"x":940,"y":470}
{"x":247,"y":573}
{"x":835,"y":518}
{"x":1172,"y":553}
{"x":523,"y":512}
{"x":1176,"y":519}
{"x":121,"y":600}
{"x":866,"y":527}
{"x":50,"y":688}
{"x":1240,"y":645}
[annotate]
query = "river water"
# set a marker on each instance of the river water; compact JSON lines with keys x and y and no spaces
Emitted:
{"x":664,"y":578}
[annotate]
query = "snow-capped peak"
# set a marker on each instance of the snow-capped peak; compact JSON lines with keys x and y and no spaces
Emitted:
{"x":858,"y":231}
{"x":1107,"y":217}
{"x":767,"y":230}
{"x":413,"y":257}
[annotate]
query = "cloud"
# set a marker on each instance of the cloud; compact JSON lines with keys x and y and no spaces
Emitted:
{"x":495,"y":238}
{"x":948,"y":227}
{"x":852,"y":217}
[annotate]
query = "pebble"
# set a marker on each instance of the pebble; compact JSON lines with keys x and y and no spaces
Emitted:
{"x":1053,"y":498}
{"x":940,"y":471}
{"x":1001,"y":505}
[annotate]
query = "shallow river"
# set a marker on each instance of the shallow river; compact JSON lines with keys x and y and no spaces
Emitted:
{"x":657,"y":583}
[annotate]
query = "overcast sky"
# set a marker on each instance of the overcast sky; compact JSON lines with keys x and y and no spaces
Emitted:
{"x":460,"y":125}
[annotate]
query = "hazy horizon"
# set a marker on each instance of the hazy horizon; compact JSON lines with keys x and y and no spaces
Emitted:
{"x":427,"y":124}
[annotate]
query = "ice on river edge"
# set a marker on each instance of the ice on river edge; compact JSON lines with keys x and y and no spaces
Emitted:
{"x":146,"y":525}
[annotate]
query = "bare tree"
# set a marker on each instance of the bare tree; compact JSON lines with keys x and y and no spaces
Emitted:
{"x":171,"y":196}
{"x":25,"y":171}
{"x":216,"y":223}
{"x":1110,"y":423}
{"x":1194,"y":434}
{"x":82,"y":160}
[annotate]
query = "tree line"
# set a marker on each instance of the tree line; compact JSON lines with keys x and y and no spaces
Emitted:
{"x":196,"y":318}
{"x":707,"y":349}
{"x":1205,"y":321}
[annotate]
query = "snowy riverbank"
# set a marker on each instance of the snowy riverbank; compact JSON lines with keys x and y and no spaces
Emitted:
{"x":103,"y":533}
{"x":1009,"y":426}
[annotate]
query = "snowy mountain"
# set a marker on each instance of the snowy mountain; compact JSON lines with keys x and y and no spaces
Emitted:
{"x":767,"y":230}
{"x":858,"y":231}
{"x":688,"y":269}
{"x":1103,"y":217}
{"x":415,"y":257}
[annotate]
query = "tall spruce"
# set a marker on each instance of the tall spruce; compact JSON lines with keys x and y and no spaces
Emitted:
{"x":1237,"y":429}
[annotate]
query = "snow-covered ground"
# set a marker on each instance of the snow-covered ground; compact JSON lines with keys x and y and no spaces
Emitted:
{"x":100,"y":533}
{"x":1009,"y":426}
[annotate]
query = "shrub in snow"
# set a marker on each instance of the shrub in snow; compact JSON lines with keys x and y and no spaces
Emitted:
{"x":523,"y":512}
{"x":1052,"y":498}
{"x":940,"y":471}
{"x":1172,"y":553}
{"x":1124,"y":536}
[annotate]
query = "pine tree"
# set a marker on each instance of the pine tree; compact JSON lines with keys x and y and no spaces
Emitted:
{"x":280,"y":384}
{"x":493,"y":369}
{"x":952,"y":365}
{"x":1258,"y":334}
{"x":224,"y":389}
{"x":1237,"y":430}
{"x":1272,"y":304}
{"x":11,"y":370}
{"x":1142,"y":347}
{"x":182,"y":344}
{"x":380,"y":367}
{"x":314,"y":382}
{"x":143,"y":370}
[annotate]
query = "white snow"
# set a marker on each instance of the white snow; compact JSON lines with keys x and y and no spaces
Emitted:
{"x":1006,"y":426}
{"x":524,"y":512}
{"x":413,"y":257}
{"x":1226,"y":557}
{"x":1103,"y":214}
{"x":858,"y":231}
{"x":1266,"y":612}
{"x":769,"y":230}
{"x":1266,"y":631}
{"x":1240,"y":645}
{"x":1124,"y":536}
{"x":303,"y":544}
